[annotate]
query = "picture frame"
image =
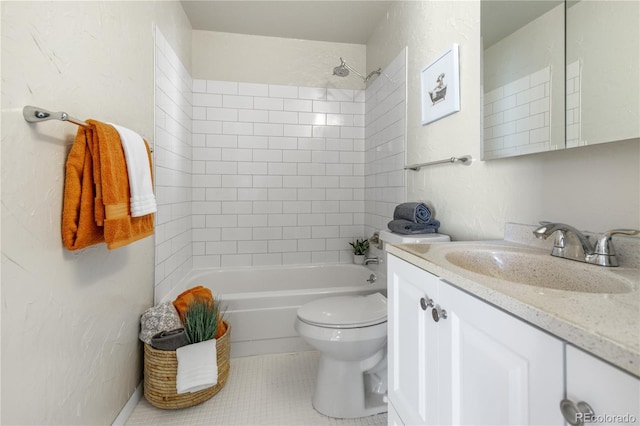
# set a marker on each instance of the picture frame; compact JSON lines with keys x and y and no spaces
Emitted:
{"x":440,"y":87}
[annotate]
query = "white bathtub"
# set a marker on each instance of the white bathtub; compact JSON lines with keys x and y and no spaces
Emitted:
{"x":262,"y":302}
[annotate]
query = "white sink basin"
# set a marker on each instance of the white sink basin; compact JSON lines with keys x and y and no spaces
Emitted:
{"x":532,"y":267}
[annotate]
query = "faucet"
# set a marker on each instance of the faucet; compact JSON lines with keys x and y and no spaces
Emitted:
{"x":572,"y":244}
{"x":376,"y":260}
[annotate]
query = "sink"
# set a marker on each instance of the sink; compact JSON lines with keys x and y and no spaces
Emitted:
{"x":536,"y":268}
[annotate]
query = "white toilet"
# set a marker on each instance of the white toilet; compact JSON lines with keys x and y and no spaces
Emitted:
{"x":350,"y":332}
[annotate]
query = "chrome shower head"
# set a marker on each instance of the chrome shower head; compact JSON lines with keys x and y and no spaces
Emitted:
{"x":341,"y":70}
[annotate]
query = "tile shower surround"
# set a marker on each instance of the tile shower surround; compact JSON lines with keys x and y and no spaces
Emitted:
{"x":256,"y":174}
{"x":277,"y":174}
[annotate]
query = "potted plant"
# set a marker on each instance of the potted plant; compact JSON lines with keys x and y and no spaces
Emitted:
{"x":360,"y":247}
{"x":203,"y":321}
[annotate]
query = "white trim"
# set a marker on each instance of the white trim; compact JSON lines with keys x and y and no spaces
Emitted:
{"x":128,"y":408}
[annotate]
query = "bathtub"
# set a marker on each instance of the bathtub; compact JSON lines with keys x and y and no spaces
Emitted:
{"x":261,"y":303}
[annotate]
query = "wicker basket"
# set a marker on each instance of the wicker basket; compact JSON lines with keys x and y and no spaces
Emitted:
{"x":160,"y":369}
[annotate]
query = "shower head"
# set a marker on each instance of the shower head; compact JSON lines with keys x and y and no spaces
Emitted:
{"x":341,"y":70}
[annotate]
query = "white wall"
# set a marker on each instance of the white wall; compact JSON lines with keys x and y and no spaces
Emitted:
{"x":274,"y":60}
{"x":70,"y":353}
{"x":595,"y":188}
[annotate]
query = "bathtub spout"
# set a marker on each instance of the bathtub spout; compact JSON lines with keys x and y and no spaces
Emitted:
{"x":375,"y":260}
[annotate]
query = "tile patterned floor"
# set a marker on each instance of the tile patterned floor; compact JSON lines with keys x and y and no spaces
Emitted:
{"x":260,"y":390}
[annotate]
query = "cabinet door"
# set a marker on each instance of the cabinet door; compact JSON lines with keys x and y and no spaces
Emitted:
{"x":411,"y":342}
{"x":613,"y":394}
{"x":495,"y":368}
{"x":393,"y":419}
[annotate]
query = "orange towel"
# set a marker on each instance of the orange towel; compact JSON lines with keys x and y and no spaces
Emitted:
{"x":186,"y":297}
{"x":97,"y":188}
{"x":79,"y":228}
{"x":112,"y":190}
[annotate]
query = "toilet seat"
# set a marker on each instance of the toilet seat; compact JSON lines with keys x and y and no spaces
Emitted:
{"x":345,"y":311}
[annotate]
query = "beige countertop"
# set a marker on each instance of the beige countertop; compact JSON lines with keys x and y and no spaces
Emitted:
{"x":604,"y":324}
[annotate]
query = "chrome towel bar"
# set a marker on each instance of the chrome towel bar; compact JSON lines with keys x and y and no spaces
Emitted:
{"x":465,"y":159}
{"x":36,"y":114}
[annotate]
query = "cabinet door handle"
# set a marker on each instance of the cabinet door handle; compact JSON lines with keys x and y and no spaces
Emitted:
{"x":438,"y":313}
{"x":576,"y":414}
{"x":426,"y":303}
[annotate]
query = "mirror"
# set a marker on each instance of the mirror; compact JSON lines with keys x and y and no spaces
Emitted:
{"x":523,"y":77}
{"x":593,"y":87}
{"x":603,"y":73}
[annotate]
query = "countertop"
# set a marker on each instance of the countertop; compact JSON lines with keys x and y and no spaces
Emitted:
{"x":605,"y":325}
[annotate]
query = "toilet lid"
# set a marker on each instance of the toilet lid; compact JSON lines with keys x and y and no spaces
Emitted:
{"x":345,"y":311}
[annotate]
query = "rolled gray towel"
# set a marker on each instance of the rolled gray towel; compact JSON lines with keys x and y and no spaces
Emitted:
{"x":406,"y":227}
{"x":170,"y":340}
{"x":414,"y":212}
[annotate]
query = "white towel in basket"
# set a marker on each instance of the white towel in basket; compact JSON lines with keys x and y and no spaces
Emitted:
{"x":197,"y":367}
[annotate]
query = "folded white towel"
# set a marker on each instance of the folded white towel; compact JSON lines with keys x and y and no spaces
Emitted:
{"x":143,"y":201}
{"x":197,"y":366}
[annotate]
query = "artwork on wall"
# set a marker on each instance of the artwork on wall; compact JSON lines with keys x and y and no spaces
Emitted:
{"x":440,"y":87}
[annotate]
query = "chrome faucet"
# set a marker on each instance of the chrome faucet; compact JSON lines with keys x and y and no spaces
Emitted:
{"x":376,"y":260}
{"x":572,"y":244}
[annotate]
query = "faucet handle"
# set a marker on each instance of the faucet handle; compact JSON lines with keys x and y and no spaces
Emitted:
{"x":604,"y":244}
{"x":621,"y":231}
{"x":604,"y":252}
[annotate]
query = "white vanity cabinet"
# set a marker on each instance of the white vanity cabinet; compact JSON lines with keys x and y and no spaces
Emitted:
{"x":412,"y":338}
{"x":612,"y":395}
{"x":454,"y":359}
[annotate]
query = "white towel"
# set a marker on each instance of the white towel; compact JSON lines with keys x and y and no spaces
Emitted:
{"x":143,"y":201}
{"x":197,"y":366}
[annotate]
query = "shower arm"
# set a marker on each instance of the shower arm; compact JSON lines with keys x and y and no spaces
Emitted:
{"x":367,"y":78}
{"x":352,"y":70}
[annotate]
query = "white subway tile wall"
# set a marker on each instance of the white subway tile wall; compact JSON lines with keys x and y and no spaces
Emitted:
{"x":280,"y":170}
{"x":385,"y":130}
{"x":574,"y":117}
{"x":253,"y":174}
{"x":173,"y":168}
{"x":517,"y":116}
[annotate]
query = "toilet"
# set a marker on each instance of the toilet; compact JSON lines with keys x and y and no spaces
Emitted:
{"x":350,"y":332}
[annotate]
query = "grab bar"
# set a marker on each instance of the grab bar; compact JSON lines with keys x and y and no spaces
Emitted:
{"x":465,"y":159}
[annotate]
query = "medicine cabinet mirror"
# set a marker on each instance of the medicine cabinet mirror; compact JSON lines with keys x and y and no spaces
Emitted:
{"x":539,"y":97}
{"x":523,"y":77}
{"x":603,"y":72}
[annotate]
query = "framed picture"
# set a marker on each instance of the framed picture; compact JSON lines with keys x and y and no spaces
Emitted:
{"x":440,"y":87}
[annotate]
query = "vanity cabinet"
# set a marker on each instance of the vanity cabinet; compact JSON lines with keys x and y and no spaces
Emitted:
{"x":612,"y":395}
{"x":454,"y":359}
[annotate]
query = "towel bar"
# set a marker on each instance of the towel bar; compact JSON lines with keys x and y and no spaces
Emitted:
{"x":465,"y":159}
{"x":34,"y":114}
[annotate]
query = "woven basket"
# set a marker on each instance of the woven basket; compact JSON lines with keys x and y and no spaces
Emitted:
{"x":161,"y":367}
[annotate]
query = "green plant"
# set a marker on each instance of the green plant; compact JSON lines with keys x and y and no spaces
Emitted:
{"x":360,"y":247}
{"x":201,"y":320}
